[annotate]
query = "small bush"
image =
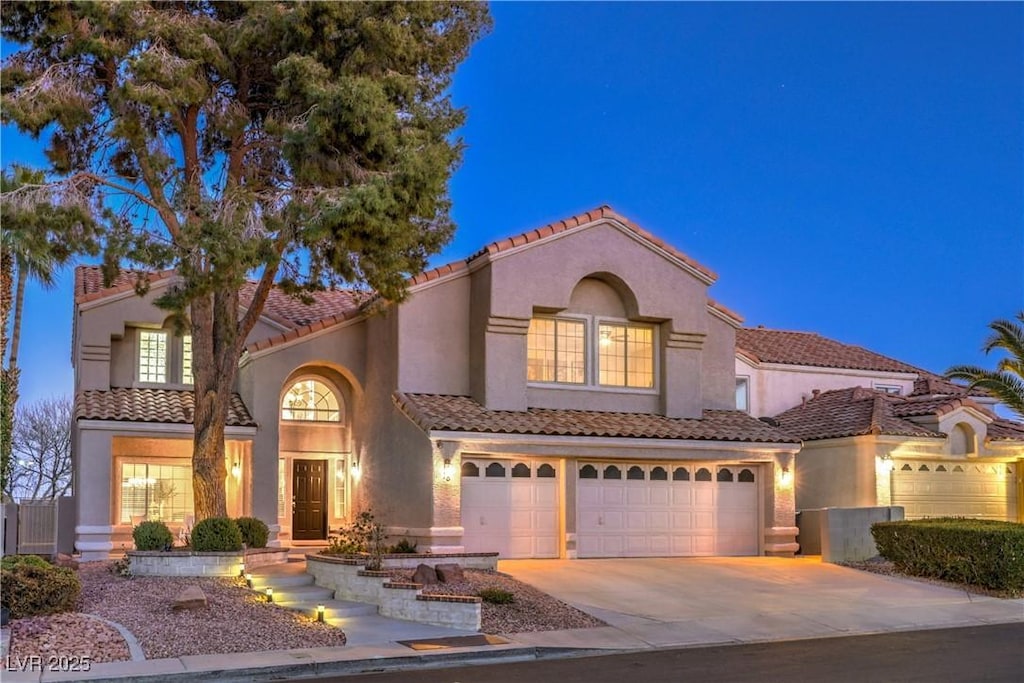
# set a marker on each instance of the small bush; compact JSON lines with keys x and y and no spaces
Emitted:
{"x":152,"y":536}
{"x":12,"y":561}
{"x":363,"y":536}
{"x":404,"y":546}
{"x":976,"y":552}
{"x":122,"y":568}
{"x":33,"y":587}
{"x":216,"y":534}
{"x":496,"y":596}
{"x":254,"y":532}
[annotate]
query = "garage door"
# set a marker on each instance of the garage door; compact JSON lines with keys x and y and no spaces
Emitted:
{"x":949,"y":489}
{"x":659,"y":509}
{"x":510,"y":506}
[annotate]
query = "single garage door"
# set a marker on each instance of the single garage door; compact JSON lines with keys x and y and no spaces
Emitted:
{"x":510,"y":506}
{"x":663,"y":509}
{"x":952,"y":489}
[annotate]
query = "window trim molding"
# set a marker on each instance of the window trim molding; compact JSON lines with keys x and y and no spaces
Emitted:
{"x":591,"y":353}
{"x":338,"y":396}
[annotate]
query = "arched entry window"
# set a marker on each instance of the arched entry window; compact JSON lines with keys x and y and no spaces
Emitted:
{"x":310,"y":400}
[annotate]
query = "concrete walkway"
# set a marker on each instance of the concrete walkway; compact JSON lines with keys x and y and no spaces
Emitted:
{"x":663,"y":602}
{"x":648,"y":603}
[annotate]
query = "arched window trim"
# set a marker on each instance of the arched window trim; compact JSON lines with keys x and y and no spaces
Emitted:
{"x":332,"y":391}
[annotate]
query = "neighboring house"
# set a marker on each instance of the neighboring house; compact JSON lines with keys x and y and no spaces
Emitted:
{"x":569,"y":392}
{"x":877,"y":431}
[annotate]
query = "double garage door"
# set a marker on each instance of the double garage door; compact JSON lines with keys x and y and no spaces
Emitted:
{"x":950,"y":489}
{"x":622,"y":509}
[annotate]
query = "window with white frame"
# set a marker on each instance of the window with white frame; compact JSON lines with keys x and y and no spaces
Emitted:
{"x":743,"y":394}
{"x":160,"y":492}
{"x":894,"y":389}
{"x":164,"y":357}
{"x":588,"y":351}
{"x":310,"y":400}
{"x":339,"y":488}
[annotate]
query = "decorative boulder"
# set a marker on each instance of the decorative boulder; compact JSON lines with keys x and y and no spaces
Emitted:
{"x":191,"y":598}
{"x":450,"y":573}
{"x":64,"y":560}
{"x":425,"y":575}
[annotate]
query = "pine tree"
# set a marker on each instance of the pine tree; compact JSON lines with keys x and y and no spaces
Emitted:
{"x":308,"y":144}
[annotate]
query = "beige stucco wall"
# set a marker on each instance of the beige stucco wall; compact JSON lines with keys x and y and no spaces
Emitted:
{"x":775,"y":388}
{"x":433,"y":340}
{"x":836,"y":473}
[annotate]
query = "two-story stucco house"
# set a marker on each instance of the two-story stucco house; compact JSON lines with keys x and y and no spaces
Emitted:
{"x":569,"y":392}
{"x":879,"y":432}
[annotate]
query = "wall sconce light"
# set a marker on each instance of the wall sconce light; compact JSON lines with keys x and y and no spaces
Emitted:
{"x":248,"y":579}
{"x":786,"y":477}
{"x":356,"y":470}
{"x":887,"y":463}
{"x":320,"y":613}
{"x":446,"y":469}
{"x":236,"y":470}
{"x":270,"y":594}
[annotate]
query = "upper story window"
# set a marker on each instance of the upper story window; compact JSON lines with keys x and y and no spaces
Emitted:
{"x":890,"y":388}
{"x":310,"y":400}
{"x":164,"y":358}
{"x":564,"y":350}
{"x":743,"y":394}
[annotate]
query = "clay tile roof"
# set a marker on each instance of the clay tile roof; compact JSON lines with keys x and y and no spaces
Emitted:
{"x":169,"y":406}
{"x":849,"y":412}
{"x":600,"y":212}
{"x":933,"y":385}
{"x":463,"y":414}
{"x":89,"y":282}
{"x":1005,"y":430}
{"x":810,"y":348}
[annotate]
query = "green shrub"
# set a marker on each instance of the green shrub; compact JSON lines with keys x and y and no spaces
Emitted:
{"x":496,"y":596}
{"x":152,"y":536}
{"x":254,"y":532}
{"x":12,"y":561}
{"x":363,"y":536}
{"x":33,"y":587}
{"x":976,"y":552}
{"x":216,"y":533}
{"x":404,"y":546}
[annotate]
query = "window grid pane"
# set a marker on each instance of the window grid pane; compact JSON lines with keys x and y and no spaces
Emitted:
{"x":152,"y":357}
{"x":540,"y":351}
{"x":556,"y":351}
{"x":571,"y":351}
{"x":155,"y":492}
{"x":626,"y":356}
{"x":310,"y":400}
{"x":186,"y":359}
{"x":339,"y":488}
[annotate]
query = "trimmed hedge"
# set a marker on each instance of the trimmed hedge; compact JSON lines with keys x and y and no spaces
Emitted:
{"x":254,"y":531}
{"x":216,"y":534}
{"x":152,"y":536}
{"x":33,"y":587}
{"x":976,"y":552}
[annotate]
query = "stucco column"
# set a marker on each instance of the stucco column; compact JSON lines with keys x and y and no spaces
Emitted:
{"x":93,"y":533}
{"x":780,"y":507}
{"x":505,"y":363}
{"x":264,"y":481}
{"x":681,"y":366}
{"x":445,"y":533}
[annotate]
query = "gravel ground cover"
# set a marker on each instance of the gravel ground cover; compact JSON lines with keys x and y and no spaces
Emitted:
{"x":531,"y":610}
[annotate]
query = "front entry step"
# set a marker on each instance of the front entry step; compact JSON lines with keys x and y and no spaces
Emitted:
{"x":294,"y":590}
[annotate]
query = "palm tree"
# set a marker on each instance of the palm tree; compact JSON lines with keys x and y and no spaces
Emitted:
{"x":1006,"y":382}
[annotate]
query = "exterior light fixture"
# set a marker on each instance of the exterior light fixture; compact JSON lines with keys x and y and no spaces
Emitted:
{"x":356,"y":470}
{"x":241,"y":569}
{"x":887,"y":463}
{"x":248,"y":579}
{"x":236,"y":470}
{"x":446,"y":469}
{"x":270,"y":594}
{"x":786,"y":478}
{"x":320,"y":613}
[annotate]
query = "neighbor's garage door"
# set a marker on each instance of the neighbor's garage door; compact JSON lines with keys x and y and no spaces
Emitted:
{"x":510,"y":506}
{"x":948,"y":489}
{"x":652,"y":510}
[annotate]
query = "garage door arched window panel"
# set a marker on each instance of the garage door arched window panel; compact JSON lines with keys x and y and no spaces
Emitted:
{"x":310,"y":400}
{"x":703,"y":474}
{"x":546,"y":471}
{"x":923,"y":468}
{"x":588,"y":472}
{"x":495,"y":469}
{"x":470,"y":469}
{"x":635,"y":473}
{"x":746,"y":476}
{"x":907,"y":468}
{"x":659,"y":474}
{"x":521,"y":470}
{"x":680,"y":474}
{"x":724,"y":474}
{"x":612,"y":472}
{"x":940,"y":468}
{"x":957,"y":468}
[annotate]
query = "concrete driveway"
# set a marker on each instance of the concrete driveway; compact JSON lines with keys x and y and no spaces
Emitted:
{"x":659,"y":602}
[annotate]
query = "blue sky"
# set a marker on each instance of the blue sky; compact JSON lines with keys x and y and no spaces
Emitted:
{"x":851,"y":169}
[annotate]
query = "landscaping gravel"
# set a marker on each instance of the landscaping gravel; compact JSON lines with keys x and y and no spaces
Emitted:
{"x":531,"y":610}
{"x":66,"y":635}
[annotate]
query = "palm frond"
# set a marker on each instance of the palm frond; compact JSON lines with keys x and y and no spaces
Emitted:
{"x":1006,"y":335}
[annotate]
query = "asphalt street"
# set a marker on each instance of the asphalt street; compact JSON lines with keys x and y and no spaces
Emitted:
{"x":986,"y":653}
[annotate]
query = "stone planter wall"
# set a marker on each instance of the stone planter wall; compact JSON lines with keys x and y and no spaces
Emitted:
{"x":188,"y":563}
{"x":400,"y":600}
{"x":488,"y":561}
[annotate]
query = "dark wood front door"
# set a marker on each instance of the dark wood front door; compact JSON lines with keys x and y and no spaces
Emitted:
{"x":309,"y":500}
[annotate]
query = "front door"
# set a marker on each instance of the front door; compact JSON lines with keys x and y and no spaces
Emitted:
{"x":309,"y":500}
